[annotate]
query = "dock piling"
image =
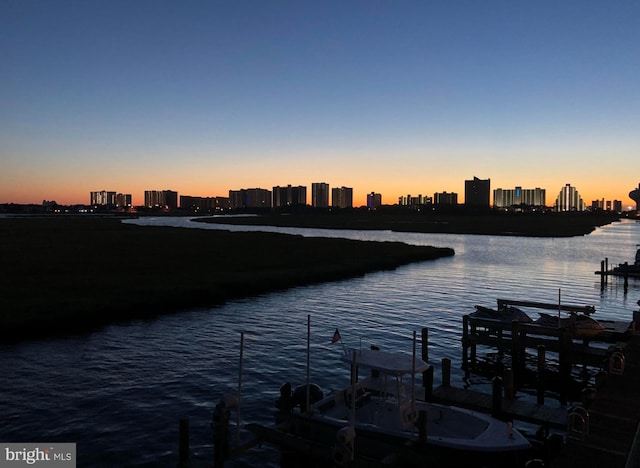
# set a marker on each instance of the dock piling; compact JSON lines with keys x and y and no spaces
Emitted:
{"x":496,"y":400}
{"x":540,"y":374}
{"x":446,"y":372}
{"x":183,"y":444}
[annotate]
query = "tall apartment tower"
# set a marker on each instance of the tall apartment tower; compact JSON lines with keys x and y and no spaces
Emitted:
{"x":569,"y":200}
{"x":342,"y":197}
{"x":477,"y":192}
{"x":320,"y":195}
{"x":374,"y":200}
{"x":289,"y":196}
{"x":444,"y":198}
{"x":250,"y":198}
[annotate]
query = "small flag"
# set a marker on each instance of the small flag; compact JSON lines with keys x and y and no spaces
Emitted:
{"x":336,"y":337}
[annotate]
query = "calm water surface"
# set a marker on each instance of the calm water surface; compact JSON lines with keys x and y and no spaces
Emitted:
{"x":120,"y":392}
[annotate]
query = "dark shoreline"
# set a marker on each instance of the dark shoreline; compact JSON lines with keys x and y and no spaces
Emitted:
{"x":481,"y":223}
{"x":66,"y":275}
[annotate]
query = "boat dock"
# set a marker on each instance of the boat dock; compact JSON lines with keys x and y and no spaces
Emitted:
{"x":598,"y":426}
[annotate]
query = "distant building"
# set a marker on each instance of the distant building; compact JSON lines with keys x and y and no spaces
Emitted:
{"x":103,"y":198}
{"x":250,"y":198}
{"x":374,"y":200}
{"x":408,"y":200}
{"x":123,"y":200}
{"x":320,"y":195}
{"x":569,"y":200}
{"x":444,"y":198}
{"x":615,"y":205}
{"x":635,"y":196}
{"x":289,"y":196}
{"x":477,"y":193}
{"x":204,"y":204}
{"x":342,"y":197}
{"x":507,"y":198}
{"x":161,"y":199}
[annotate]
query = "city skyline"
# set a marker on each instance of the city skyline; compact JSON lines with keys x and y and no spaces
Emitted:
{"x":378,"y":96}
{"x":480,"y":189}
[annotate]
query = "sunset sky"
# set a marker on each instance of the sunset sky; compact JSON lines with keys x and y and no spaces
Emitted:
{"x":396,"y":97}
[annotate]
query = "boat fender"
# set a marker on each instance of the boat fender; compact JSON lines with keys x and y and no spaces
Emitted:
{"x":343,"y":450}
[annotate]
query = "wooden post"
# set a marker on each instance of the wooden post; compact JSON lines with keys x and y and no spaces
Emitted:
{"x":446,"y":372}
{"x":422,"y":426}
{"x":472,"y":357}
{"x":515,"y":345}
{"x":465,"y":345}
{"x":496,"y":400}
{"x":428,"y":383}
{"x":564,"y":338}
{"x":509,"y":390}
{"x":626,"y":277}
{"x":425,"y":344}
{"x":183,"y":443}
{"x":603,"y":274}
{"x":220,"y":426}
{"x":540,"y":374}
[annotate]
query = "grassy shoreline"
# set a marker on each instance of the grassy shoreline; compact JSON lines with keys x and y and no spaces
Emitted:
{"x":73,"y":274}
{"x":495,"y":223}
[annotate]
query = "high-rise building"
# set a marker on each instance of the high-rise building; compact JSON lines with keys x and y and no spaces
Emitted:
{"x":342,"y":197}
{"x":374,"y":200}
{"x":289,"y":196}
{"x":103,"y":198}
{"x":250,"y":198}
{"x":569,"y":200}
{"x":444,"y":198}
{"x":477,"y":192}
{"x":409,"y":200}
{"x":320,"y":195}
{"x":506,"y":198}
{"x":161,"y":199}
{"x":204,"y":204}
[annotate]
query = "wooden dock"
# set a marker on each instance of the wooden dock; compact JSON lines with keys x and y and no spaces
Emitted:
{"x":612,"y":439}
{"x":516,"y":409}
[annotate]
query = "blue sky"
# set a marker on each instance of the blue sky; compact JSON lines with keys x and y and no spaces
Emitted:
{"x":393,"y":97}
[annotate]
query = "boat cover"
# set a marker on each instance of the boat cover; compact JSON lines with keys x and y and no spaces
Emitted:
{"x":386,"y":362}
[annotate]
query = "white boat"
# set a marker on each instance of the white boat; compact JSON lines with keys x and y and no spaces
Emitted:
{"x":380,"y":414}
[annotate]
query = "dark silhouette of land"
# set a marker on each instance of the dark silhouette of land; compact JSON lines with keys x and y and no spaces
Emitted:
{"x":486,"y":222}
{"x":72,"y":274}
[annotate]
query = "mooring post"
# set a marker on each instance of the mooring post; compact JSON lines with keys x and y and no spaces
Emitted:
{"x":425,"y":344}
{"x":474,"y":334}
{"x":425,"y":357}
{"x":446,"y":372}
{"x":626,"y":277}
{"x":427,"y":377}
{"x":496,"y":397}
{"x":509,"y":389}
{"x":422,"y":426}
{"x":183,"y":444}
{"x":465,"y":345}
{"x":540,"y":374}
{"x":564,"y":352}
{"x":515,"y":345}
{"x":603,"y":274}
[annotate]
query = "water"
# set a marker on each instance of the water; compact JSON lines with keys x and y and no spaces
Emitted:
{"x":120,"y":392}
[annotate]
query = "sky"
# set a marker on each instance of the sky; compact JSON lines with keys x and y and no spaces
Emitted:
{"x":394,"y":97}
